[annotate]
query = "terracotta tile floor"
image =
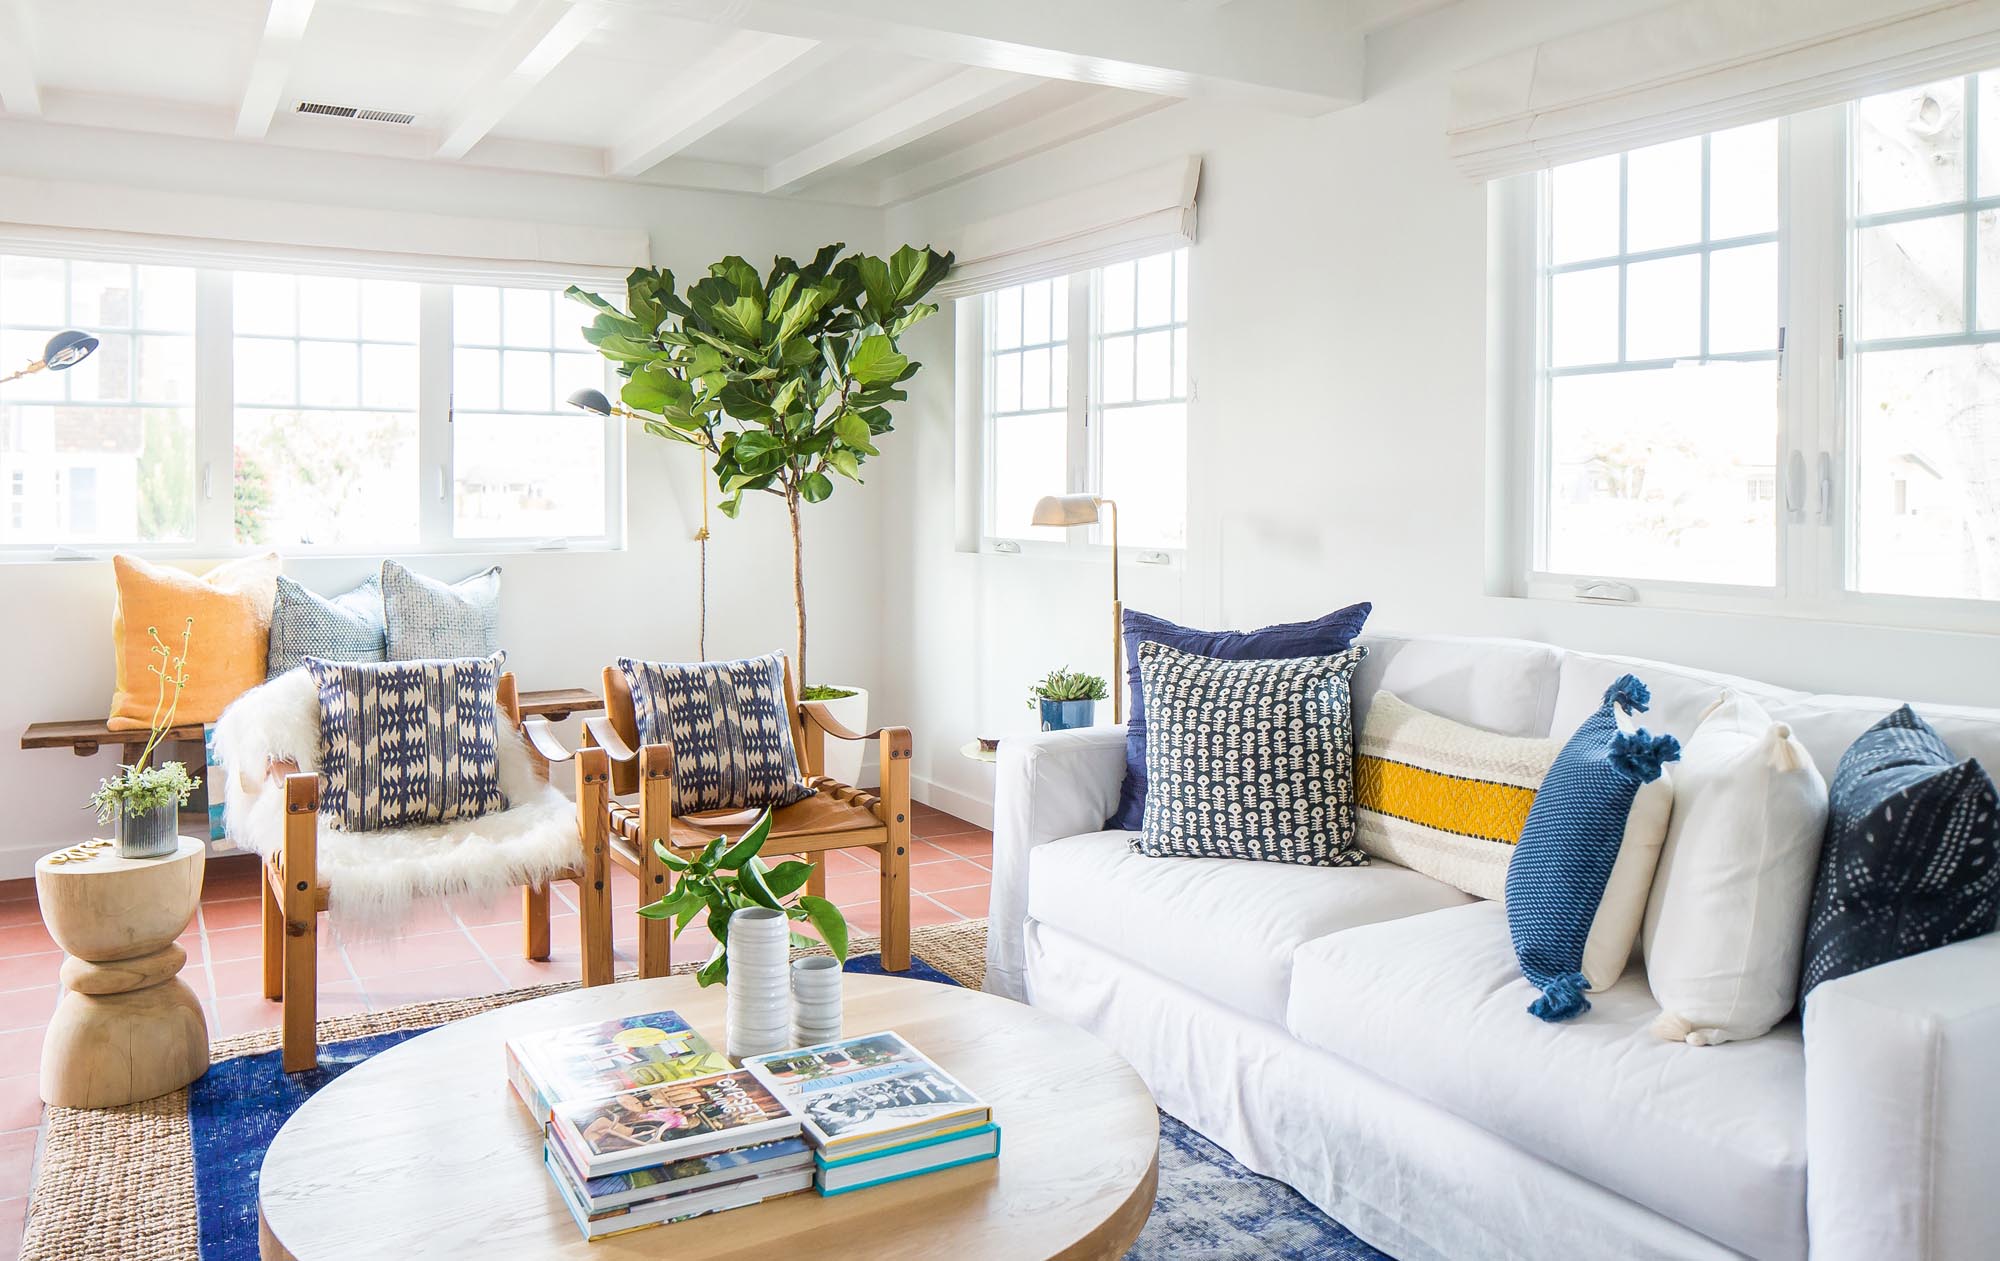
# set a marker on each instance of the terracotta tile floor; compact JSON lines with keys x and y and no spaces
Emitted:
{"x":452,"y":951}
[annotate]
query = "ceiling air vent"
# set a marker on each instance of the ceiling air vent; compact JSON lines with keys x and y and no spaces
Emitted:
{"x":349,"y":111}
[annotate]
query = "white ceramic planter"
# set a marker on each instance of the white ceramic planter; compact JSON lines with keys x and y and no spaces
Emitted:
{"x":760,"y":996}
{"x":816,"y":1000}
{"x":843,"y":757}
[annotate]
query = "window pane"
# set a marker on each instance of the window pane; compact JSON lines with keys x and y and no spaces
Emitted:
{"x":95,"y":474}
{"x":1909,"y":147}
{"x":1989,"y":269}
{"x":577,"y":372}
{"x":324,"y":478}
{"x":1115,"y":297}
{"x":166,"y":369}
{"x":266,"y":304}
{"x":107,"y":375}
{"x":1035,"y":313}
{"x":166,"y":299}
{"x":1927,"y":437}
{"x":1663,"y":308}
{"x":1743,"y":181}
{"x":19,"y":347}
{"x":1058,"y":376}
{"x":1035,"y":380}
{"x":1584,"y":317}
{"x":1665,"y":473}
{"x":1115,"y":370}
{"x":524,"y":380}
{"x":266,"y":371}
{"x":1028,"y":457}
{"x":389,"y":311}
{"x":1180,"y":363}
{"x":1156,"y":291}
{"x":389,"y":377}
{"x":1007,"y":318}
{"x":1583,"y":210}
{"x":329,"y":306}
{"x":329,"y":374}
{"x":1007,"y":383}
{"x":31,"y":293}
{"x":1145,"y":472}
{"x":1663,"y":195}
{"x":1059,"y":316}
{"x":1989,"y":133}
{"x":1912,"y":277}
{"x":100,"y":295}
{"x":527,"y":317}
{"x":475,"y":315}
{"x":1743,"y":299}
{"x":475,"y":380}
{"x":528,"y":476}
{"x":1180,"y":286}
{"x":1155,"y":365}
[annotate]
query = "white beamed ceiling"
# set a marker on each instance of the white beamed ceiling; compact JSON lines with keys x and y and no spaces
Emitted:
{"x":861,"y":101}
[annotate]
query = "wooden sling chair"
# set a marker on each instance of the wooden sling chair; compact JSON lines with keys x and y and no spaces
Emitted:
{"x":294,"y":894}
{"x":836,"y":816}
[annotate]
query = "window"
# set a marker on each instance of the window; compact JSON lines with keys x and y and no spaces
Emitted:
{"x":1086,"y":388}
{"x":1767,"y":364}
{"x":348,"y":413}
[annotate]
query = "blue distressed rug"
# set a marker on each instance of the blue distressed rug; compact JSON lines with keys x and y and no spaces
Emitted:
{"x":1209,"y":1207}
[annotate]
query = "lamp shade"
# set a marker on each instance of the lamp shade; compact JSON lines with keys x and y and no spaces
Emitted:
{"x":591,"y":401}
{"x":67,"y":349}
{"x":1065,"y":510}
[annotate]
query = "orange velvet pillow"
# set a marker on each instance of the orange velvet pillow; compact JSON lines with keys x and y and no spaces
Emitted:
{"x":231,"y":608}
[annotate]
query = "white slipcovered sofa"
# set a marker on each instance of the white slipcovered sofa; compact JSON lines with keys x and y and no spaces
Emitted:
{"x":1362,"y":1033}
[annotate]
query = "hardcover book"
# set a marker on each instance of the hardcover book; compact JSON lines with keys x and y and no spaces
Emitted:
{"x":908,"y":1160}
{"x":868,"y":1091}
{"x":693,"y":1173}
{"x":603,"y":1057}
{"x":677,"y":1120}
{"x":740,"y":1193}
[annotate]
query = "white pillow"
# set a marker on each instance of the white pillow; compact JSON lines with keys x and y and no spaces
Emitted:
{"x":1622,"y":910}
{"x":1725,"y":926}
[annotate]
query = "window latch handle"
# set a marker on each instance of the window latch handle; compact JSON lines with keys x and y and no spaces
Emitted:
{"x":208,"y":479}
{"x":1825,"y":487}
{"x":1795,"y":479}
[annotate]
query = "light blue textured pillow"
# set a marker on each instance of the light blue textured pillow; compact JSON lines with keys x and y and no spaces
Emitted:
{"x":1575,"y":827}
{"x":346,"y":627}
{"x":408,"y":742}
{"x":431,"y":620}
{"x":729,"y":726}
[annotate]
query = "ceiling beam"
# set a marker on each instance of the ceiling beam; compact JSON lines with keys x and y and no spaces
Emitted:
{"x":284,"y":27}
{"x":534,"y":41}
{"x":1293,"y":56}
{"x":748,"y":69}
{"x":1044,"y":131}
{"x":965,"y":93}
{"x":20,"y":92}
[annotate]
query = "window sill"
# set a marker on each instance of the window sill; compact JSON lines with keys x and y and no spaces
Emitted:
{"x":495,"y":549}
{"x":1916,"y":613}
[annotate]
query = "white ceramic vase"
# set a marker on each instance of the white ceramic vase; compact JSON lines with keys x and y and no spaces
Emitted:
{"x":816,"y":1000}
{"x":843,"y":757}
{"x":760,"y":997}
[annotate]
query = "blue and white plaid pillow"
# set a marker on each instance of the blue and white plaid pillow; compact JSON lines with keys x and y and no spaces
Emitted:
{"x":346,"y":627}
{"x":408,"y":742}
{"x":728,"y":723}
{"x":430,"y":620}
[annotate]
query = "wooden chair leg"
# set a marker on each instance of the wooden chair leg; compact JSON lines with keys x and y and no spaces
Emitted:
{"x":272,"y":917}
{"x":816,"y":882}
{"x":301,"y":946}
{"x":894,"y":811}
{"x":656,"y":810}
{"x":535,"y":922}
{"x":593,"y":773}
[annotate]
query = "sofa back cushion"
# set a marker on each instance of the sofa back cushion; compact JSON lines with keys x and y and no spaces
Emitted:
{"x":404,"y":743}
{"x":1506,"y":686}
{"x":1681,"y":695}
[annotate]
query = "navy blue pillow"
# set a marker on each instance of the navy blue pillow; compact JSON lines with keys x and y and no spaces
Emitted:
{"x":1909,"y":862}
{"x":1322,"y":637}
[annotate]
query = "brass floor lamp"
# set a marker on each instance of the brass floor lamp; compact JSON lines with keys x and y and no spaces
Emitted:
{"x":1067,"y":510}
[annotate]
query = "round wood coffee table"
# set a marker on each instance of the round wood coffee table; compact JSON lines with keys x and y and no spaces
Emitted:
{"x":426,"y":1151}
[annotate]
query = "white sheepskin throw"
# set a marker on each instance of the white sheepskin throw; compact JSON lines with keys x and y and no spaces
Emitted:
{"x":375,"y":879}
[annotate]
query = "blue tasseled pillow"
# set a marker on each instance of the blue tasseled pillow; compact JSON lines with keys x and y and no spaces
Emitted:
{"x":1556,"y":880}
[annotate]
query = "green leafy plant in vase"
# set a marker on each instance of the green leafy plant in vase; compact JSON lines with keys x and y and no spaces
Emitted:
{"x":1067,"y":698}
{"x":143,"y":801}
{"x":724,"y":879}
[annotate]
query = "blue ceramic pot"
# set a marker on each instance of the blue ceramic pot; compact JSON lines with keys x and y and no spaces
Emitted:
{"x":1067,"y":715}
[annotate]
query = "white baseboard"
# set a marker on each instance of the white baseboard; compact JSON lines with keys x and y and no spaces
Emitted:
{"x":972,"y":809}
{"x":19,"y":863}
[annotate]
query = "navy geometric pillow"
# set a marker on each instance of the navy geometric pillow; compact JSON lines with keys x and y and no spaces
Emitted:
{"x":408,"y":742}
{"x":1910,"y":857}
{"x":348,"y":627}
{"x":729,"y":727}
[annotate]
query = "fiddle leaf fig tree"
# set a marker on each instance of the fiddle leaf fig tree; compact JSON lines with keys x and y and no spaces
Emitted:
{"x":784,"y":378}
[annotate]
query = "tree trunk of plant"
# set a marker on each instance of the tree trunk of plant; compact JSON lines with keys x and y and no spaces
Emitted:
{"x":798,"y":591}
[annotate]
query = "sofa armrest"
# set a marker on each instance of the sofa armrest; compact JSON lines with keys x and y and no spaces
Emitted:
{"x":1047,"y":786}
{"x":1902,"y":1118}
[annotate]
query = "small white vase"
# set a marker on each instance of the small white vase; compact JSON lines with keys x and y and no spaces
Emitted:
{"x":843,"y":757}
{"x":816,"y":1000}
{"x":760,"y":1000}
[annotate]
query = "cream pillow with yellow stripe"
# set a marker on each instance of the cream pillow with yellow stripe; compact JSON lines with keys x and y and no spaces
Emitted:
{"x":1443,"y":798}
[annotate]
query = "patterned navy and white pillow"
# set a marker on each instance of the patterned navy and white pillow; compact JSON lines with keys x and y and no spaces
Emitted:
{"x":1249,"y":759}
{"x":730,"y":728}
{"x":408,"y":742}
{"x":347,"y":627}
{"x":1912,"y":854}
{"x":431,"y":620}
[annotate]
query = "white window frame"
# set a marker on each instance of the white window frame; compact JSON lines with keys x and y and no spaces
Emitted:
{"x":1815,"y":459}
{"x":1084,"y":462}
{"x":214,"y":409}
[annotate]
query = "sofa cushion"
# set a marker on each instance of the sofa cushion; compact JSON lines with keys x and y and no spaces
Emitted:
{"x":1680,"y":694}
{"x":1710,"y":1136}
{"x":1829,"y":725}
{"x":1220,"y":926}
{"x":1501,"y":685}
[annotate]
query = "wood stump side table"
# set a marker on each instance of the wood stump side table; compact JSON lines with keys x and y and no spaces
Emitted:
{"x":127,"y":1027}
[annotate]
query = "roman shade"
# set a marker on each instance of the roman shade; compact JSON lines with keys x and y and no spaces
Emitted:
{"x":1147,"y":212}
{"x":1701,"y":65}
{"x":81,"y":220}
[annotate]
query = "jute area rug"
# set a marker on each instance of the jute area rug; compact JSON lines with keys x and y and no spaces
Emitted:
{"x":119,"y":1182}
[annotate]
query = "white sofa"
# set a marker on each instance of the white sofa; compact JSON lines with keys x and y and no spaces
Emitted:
{"x":1362,"y":1033}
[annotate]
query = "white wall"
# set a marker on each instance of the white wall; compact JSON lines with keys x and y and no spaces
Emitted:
{"x":564,"y":616}
{"x":1339,"y":431}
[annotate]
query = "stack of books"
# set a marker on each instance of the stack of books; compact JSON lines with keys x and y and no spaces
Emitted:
{"x":877,"y":1111}
{"x":644,"y":1123}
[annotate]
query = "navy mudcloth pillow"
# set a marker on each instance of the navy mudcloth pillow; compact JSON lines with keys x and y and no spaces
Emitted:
{"x":1323,"y":637}
{"x":1909,"y":861}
